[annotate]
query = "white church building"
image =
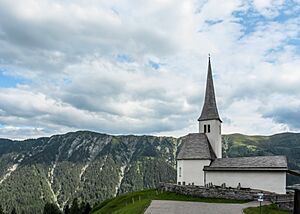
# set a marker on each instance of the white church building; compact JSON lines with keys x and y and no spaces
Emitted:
{"x":200,"y":162}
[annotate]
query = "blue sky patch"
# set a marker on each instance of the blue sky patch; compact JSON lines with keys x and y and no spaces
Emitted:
{"x":295,"y":43}
{"x":154,"y":65}
{"x":249,"y":20}
{"x":7,"y":81}
{"x":124,"y":58}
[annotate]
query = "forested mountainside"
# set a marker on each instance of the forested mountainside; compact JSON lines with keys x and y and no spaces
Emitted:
{"x":93,"y":167}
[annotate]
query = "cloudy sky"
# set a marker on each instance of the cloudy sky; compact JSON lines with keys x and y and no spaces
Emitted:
{"x":139,"y":67}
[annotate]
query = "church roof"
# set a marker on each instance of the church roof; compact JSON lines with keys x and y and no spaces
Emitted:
{"x":209,"y":110}
{"x":258,"y":163}
{"x":195,"y":146}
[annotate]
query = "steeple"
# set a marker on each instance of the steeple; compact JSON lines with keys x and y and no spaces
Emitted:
{"x":209,"y":110}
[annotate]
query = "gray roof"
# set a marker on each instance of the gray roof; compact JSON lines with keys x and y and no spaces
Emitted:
{"x":209,"y":110}
{"x":248,"y":163}
{"x":195,"y":146}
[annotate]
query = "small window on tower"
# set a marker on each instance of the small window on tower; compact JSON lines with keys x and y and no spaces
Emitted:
{"x":204,"y":128}
{"x":208,"y":128}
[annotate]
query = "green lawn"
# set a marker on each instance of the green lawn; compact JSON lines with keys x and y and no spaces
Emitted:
{"x":267,"y":209}
{"x":137,"y":202}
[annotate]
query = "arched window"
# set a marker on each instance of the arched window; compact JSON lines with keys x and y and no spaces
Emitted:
{"x":204,"y":128}
{"x":208,"y":128}
{"x":179,"y":171}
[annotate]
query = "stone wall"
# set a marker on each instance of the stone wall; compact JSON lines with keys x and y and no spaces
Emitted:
{"x":286,"y":205}
{"x":223,"y":192}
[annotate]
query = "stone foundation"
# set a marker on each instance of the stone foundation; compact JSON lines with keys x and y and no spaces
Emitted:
{"x":286,"y":205}
{"x":284,"y":201}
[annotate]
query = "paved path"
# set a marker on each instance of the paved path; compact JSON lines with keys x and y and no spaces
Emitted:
{"x":185,"y":207}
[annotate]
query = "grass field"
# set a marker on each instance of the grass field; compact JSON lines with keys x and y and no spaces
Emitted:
{"x":137,"y":202}
{"x":268,"y":209}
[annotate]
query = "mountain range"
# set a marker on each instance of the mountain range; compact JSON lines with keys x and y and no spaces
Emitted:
{"x":93,"y":167}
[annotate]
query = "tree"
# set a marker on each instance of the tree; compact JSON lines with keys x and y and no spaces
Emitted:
{"x":67,"y":209}
{"x":1,"y":210}
{"x":85,"y":208}
{"x":50,"y":208}
{"x":14,"y":211}
{"x":75,"y":207}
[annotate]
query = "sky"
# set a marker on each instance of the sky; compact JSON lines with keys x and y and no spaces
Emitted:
{"x":139,"y":67}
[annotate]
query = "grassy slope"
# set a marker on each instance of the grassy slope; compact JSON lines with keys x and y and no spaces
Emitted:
{"x":269,"y":209}
{"x":124,"y":204}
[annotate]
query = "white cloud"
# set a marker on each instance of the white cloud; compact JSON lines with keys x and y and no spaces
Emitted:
{"x":268,"y":7}
{"x":87,"y":65}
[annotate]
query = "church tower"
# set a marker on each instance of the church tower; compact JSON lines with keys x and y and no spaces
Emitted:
{"x":209,"y":120}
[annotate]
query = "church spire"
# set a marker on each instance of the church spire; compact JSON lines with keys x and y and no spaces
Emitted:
{"x":209,"y":110}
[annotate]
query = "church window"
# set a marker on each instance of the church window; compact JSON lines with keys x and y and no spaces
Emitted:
{"x":204,"y":128}
{"x":208,"y":128}
{"x":179,"y":171}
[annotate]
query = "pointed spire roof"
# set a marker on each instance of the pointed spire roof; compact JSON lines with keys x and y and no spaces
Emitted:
{"x":209,"y":110}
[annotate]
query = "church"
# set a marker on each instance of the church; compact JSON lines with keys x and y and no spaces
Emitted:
{"x":200,"y":162}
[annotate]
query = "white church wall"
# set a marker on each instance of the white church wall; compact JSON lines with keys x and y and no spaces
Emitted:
{"x":214,"y":136}
{"x":191,"y":171}
{"x":268,"y":181}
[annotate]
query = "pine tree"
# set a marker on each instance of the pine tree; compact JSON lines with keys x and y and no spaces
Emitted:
{"x":75,"y":207}
{"x":67,"y":209}
{"x":50,"y":208}
{"x":14,"y":211}
{"x":86,"y":209}
{"x":1,"y":210}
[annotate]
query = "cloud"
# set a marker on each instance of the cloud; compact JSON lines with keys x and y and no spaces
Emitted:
{"x":286,"y":116}
{"x":140,"y":67}
{"x":268,"y":7}
{"x":109,"y":102}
